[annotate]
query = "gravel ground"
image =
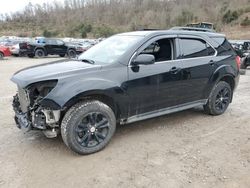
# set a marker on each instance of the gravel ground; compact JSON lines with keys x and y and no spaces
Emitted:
{"x":186,"y":149}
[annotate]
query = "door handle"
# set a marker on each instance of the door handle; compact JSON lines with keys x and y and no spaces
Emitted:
{"x":212,"y":63}
{"x":175,"y":70}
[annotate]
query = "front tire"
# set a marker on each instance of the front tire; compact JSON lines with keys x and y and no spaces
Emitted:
{"x":88,"y":127}
{"x":39,"y":53}
{"x":219,"y":99}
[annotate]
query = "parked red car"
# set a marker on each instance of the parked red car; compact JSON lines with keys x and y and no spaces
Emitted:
{"x":4,"y":52}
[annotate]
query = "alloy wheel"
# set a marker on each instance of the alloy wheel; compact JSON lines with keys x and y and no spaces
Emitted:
{"x":92,"y":130}
{"x":222,"y":99}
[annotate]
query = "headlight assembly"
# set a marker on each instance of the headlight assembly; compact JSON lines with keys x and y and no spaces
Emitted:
{"x":41,"y":89}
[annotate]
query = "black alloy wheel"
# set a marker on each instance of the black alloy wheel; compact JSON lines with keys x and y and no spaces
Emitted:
{"x":219,"y":99}
{"x":222,"y":99}
{"x":92,"y":129}
{"x":88,"y":126}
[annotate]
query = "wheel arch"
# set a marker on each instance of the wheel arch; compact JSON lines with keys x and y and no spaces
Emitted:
{"x":94,"y":95}
{"x":71,"y":48}
{"x":224,"y":73}
{"x":230,"y":80}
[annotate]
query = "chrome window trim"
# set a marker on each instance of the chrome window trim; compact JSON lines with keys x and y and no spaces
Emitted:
{"x":174,"y":60}
{"x":155,"y":38}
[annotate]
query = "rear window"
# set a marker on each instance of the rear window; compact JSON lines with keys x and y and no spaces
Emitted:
{"x":192,"y":48}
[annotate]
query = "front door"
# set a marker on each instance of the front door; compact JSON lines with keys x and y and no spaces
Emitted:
{"x":144,"y":87}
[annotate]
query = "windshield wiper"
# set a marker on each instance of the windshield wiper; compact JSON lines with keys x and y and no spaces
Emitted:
{"x":87,"y":61}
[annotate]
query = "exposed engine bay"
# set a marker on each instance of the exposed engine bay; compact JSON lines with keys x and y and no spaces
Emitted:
{"x":30,"y":114}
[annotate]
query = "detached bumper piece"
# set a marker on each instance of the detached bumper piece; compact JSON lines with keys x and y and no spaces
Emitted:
{"x":21,"y":119}
{"x":22,"y":122}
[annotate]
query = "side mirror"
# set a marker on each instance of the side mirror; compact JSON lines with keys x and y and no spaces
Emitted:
{"x":144,"y":59}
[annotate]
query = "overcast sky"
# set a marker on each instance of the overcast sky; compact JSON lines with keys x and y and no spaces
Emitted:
{"x":8,"y":6}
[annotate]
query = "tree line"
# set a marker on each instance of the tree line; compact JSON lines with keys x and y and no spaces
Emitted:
{"x":102,"y":18}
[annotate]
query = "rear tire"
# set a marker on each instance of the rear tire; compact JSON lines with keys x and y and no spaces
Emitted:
{"x":71,"y":53}
{"x":62,"y":55}
{"x":219,"y":99}
{"x":39,"y":53}
{"x":88,"y":127}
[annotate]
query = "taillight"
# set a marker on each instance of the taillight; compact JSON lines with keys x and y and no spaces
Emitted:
{"x":238,"y":61}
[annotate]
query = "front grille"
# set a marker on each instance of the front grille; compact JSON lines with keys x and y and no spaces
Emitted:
{"x":23,"y":99}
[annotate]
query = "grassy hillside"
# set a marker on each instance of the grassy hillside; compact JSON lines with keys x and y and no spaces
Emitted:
{"x":101,"y":18}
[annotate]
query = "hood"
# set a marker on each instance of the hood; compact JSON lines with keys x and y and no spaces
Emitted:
{"x":53,"y":70}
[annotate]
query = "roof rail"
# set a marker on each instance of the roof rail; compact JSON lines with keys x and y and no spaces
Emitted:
{"x":193,"y":29}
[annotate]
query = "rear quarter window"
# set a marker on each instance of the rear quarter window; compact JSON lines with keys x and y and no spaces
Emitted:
{"x":223,"y":47}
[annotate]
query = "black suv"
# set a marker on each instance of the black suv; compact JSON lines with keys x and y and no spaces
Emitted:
{"x":49,"y":46}
{"x":126,"y":78}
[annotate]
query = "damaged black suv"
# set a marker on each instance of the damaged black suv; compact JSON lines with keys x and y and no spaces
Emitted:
{"x":126,"y":78}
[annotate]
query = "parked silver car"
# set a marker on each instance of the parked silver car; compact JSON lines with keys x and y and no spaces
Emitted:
{"x":15,"y":50}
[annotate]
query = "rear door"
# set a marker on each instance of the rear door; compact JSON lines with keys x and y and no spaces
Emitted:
{"x":198,"y":60}
{"x":55,"y":46}
{"x":49,"y":46}
{"x":60,"y":47}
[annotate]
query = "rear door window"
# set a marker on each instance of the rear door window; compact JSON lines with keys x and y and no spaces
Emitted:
{"x":51,"y":42}
{"x":59,"y":42}
{"x":193,"y":48}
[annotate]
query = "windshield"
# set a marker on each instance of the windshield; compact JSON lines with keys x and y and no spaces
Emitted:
{"x":109,"y":50}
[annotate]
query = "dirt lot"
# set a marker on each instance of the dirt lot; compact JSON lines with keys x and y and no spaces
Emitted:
{"x":186,"y":149}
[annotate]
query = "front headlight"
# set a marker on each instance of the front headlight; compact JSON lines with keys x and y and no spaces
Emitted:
{"x":41,"y":89}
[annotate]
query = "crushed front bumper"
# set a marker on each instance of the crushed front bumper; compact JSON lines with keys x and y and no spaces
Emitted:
{"x":34,"y":118}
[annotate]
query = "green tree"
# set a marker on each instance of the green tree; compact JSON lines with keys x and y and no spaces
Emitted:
{"x":103,"y":31}
{"x":230,"y":16}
